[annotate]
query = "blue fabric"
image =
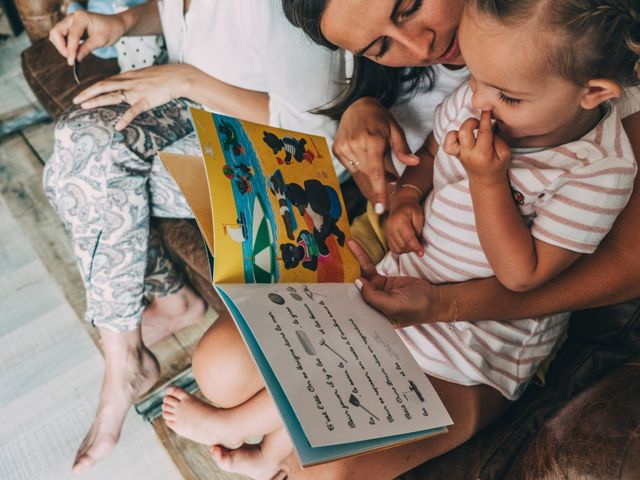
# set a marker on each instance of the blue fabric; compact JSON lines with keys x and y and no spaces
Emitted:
{"x":336,"y":207}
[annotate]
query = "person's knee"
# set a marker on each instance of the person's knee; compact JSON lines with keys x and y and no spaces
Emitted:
{"x":60,"y":164}
{"x":81,"y":134}
{"x":215,"y":369}
{"x":77,"y":120}
{"x":82,"y":137}
{"x":222,"y":368}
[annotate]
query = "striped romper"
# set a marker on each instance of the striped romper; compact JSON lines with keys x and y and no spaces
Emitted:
{"x":569,"y":195}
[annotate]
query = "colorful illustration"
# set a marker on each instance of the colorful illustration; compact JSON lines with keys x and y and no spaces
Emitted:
{"x":238,"y":230}
{"x":273,"y":225}
{"x":230,"y":138}
{"x":292,"y":148}
{"x":241,"y":174}
{"x":322,"y":205}
{"x":263,"y":251}
{"x":306,"y":251}
{"x":277,"y":187}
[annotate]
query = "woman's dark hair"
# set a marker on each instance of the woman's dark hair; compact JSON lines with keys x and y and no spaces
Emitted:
{"x":389,"y":85}
{"x":593,"y":38}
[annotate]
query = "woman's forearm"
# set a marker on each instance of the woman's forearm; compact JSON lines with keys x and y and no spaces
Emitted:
{"x":610,"y":275}
{"x":141,"y":20}
{"x":224,"y":98}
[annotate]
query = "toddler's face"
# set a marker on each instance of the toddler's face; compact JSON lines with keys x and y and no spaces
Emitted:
{"x":509,"y":77}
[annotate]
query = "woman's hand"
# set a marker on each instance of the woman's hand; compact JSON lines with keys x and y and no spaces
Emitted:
{"x":362,"y":142}
{"x":143,"y":89}
{"x":96,"y":30}
{"x":405,"y":301}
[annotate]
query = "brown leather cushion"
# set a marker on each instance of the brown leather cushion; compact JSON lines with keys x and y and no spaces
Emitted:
{"x":51,"y":79}
{"x":185,"y":245}
{"x":38,"y":16}
{"x":599,"y":341}
{"x":593,"y":437}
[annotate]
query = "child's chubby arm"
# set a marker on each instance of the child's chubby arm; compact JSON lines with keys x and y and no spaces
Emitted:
{"x":520,"y":262}
{"x":406,"y":214}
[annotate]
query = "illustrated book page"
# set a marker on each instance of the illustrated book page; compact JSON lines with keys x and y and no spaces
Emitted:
{"x":275,"y":223}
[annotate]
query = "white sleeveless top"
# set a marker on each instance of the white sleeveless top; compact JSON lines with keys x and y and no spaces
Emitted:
{"x":250,"y":44}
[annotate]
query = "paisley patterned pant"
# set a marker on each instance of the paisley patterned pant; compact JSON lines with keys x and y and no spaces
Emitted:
{"x":105,"y":185}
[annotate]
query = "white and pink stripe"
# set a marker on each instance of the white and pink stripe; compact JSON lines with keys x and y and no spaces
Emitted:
{"x":571,"y":194}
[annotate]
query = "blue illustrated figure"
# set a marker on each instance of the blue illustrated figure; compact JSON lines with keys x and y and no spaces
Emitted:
{"x":322,"y":203}
{"x":293,"y":148}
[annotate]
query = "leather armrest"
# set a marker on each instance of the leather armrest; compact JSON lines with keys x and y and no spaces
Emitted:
{"x":38,"y":16}
{"x":594,"y":436}
{"x":51,"y":79}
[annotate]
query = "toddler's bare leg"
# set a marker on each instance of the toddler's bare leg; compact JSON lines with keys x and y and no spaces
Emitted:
{"x":203,"y":423}
{"x":223,"y":367}
{"x":228,"y":377}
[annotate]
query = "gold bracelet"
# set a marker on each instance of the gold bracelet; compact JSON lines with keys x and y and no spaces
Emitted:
{"x":452,"y":324}
{"x":411,"y":186}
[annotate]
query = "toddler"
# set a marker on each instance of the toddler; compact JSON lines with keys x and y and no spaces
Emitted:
{"x":527,"y":168}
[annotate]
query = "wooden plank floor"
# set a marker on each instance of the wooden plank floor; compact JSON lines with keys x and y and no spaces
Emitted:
{"x":22,"y":156}
{"x":21,"y":173}
{"x":51,"y":372}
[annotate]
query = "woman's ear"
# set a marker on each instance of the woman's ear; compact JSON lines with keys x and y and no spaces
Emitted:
{"x":598,"y":91}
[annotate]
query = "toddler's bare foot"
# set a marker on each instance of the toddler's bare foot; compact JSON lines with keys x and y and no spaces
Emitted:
{"x":196,"y":420}
{"x":260,"y":462}
{"x":130,"y":371}
{"x":166,"y":315}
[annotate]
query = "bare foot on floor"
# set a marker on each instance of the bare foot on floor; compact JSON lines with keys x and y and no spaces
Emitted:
{"x":166,"y":315}
{"x":196,"y":420}
{"x":126,"y":378}
{"x":260,"y":462}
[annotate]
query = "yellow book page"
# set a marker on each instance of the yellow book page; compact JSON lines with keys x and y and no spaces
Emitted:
{"x":278,"y":213}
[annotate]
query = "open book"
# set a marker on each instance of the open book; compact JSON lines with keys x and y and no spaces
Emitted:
{"x":269,"y":206}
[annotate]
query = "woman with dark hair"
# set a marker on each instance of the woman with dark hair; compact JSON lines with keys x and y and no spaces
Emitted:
{"x":407,"y":33}
{"x":106,"y":181}
{"x":396,"y":34}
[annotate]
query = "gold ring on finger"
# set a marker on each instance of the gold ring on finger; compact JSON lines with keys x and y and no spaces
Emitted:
{"x":354,"y":163}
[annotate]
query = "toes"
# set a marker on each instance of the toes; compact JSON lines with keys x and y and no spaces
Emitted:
{"x":177,"y":393}
{"x":226,"y":458}
{"x":82,"y":464}
{"x":168,"y":415}
{"x":218,"y":453}
{"x":170,"y":403}
{"x":281,"y":475}
{"x":170,"y":391}
{"x":233,"y":446}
